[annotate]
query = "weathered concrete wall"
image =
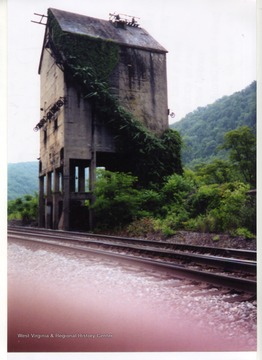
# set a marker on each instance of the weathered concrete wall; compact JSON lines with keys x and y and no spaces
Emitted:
{"x":75,"y":126}
{"x":140,"y":82}
{"x":52,"y":134}
{"x":81,"y":126}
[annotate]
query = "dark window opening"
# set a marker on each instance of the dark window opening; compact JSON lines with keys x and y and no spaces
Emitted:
{"x":45,"y":137}
{"x":61,"y":155}
{"x":55,"y":124}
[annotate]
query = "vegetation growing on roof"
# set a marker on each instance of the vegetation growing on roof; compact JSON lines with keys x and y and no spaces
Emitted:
{"x":90,"y":62}
{"x":100,"y":56}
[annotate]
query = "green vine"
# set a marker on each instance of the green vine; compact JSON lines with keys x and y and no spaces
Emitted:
{"x":90,"y":62}
{"x":85,"y":51}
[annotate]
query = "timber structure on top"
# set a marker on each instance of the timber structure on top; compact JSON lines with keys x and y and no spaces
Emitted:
{"x":103,"y":104}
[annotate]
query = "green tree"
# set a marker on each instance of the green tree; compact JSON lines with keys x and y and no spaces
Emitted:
{"x":25,"y":209}
{"x":230,"y":213}
{"x":222,"y":208}
{"x":241,"y":144}
{"x":204,"y":199}
{"x":216,"y":172}
{"x":177,"y":189}
{"x":175,"y":209}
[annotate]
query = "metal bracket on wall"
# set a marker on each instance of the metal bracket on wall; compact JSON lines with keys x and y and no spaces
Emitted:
{"x":51,"y":113}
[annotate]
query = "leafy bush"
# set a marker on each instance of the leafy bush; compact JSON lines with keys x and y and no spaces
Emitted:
{"x":175,"y":193}
{"x":220,"y":208}
{"x":142,"y":227}
{"x":229,"y":212}
{"x":202,"y":223}
{"x":243,"y":232}
{"x":177,"y":187}
{"x":174,"y":220}
{"x":150,"y":202}
{"x":117,"y":200}
{"x":205,"y":198}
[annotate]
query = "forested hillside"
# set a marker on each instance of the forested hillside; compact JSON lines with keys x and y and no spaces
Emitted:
{"x":22,"y":179}
{"x":203,"y":130}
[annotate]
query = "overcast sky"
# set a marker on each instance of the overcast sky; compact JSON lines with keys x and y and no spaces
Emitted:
{"x":211,"y":53}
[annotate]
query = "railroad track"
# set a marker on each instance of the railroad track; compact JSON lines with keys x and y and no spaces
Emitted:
{"x":230,"y":268}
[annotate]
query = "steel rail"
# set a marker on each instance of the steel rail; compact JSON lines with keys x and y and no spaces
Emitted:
{"x":227,"y":264}
{"x":236,"y":283}
{"x":226,"y":252}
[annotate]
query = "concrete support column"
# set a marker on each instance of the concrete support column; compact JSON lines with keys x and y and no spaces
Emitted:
{"x":56,"y":195}
{"x":48,"y":207}
{"x":92,"y":168}
{"x":66,"y":195}
{"x":92,"y":179}
{"x":41,"y":203}
{"x":48,"y":184}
